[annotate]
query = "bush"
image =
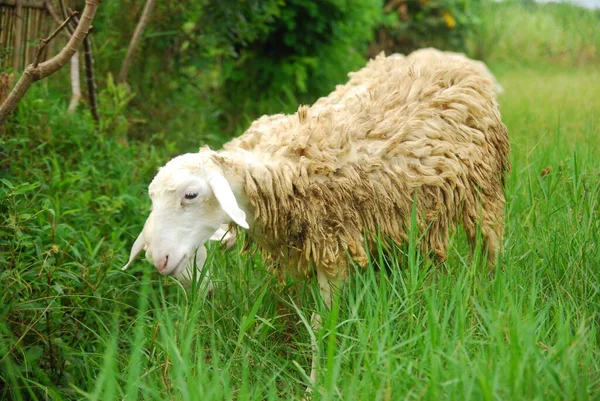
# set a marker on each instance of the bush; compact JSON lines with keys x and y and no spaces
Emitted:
{"x":65,"y":213}
{"x":303,"y":54}
{"x":410,"y":25}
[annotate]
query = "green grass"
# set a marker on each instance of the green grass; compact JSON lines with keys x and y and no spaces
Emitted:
{"x":73,"y":326}
{"x":515,"y":34}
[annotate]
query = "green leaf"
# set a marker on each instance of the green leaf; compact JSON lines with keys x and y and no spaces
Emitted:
{"x":26,"y":187}
{"x":33,"y":353}
{"x":7,"y":183}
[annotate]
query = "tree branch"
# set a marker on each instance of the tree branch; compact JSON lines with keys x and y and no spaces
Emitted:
{"x":44,"y":42}
{"x":49,"y":67}
{"x":135,"y":39}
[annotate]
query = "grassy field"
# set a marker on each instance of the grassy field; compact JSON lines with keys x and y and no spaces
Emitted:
{"x":73,"y":326}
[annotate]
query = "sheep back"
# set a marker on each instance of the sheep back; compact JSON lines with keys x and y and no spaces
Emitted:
{"x":333,"y":174}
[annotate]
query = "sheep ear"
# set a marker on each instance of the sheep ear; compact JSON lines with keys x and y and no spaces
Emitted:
{"x":136,"y":249}
{"x":226,"y":199}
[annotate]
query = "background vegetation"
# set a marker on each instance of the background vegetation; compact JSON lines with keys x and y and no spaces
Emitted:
{"x":72,"y":199}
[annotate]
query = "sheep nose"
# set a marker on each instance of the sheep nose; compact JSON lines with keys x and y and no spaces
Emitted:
{"x":161,"y":263}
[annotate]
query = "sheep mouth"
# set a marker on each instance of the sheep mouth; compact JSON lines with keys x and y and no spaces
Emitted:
{"x":175,"y":270}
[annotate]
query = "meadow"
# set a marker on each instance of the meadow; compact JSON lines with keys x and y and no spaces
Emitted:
{"x":73,"y":326}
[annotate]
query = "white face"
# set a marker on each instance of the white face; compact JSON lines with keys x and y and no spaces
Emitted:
{"x":190,"y":201}
{"x":182,"y":219}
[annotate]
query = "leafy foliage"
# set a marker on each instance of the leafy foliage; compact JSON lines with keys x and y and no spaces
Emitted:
{"x":409,"y":25}
{"x":58,"y":238}
{"x":316,"y":40}
{"x":240,"y":59}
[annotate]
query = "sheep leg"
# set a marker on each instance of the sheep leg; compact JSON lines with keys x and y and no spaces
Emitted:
{"x":315,"y":322}
{"x":491,"y":225}
{"x":325,"y":288}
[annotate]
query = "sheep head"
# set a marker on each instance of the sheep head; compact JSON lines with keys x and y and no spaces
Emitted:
{"x":191,"y":200}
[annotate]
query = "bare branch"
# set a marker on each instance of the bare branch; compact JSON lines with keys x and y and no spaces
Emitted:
{"x":49,"y":67}
{"x":135,"y":39}
{"x":44,"y":42}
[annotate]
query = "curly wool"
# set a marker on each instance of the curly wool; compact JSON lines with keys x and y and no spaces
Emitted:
{"x":319,"y":180}
{"x":430,"y":55}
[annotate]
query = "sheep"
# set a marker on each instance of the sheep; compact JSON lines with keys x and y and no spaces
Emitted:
{"x":312,"y":188}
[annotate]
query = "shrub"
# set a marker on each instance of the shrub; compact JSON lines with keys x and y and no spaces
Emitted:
{"x":410,"y":25}
{"x":303,"y":54}
{"x":65,"y":211}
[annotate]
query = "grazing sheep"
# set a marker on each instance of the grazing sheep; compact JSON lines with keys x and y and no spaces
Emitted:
{"x":434,"y":128}
{"x":312,"y":187}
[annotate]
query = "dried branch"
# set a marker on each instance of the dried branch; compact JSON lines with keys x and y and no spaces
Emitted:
{"x":44,"y":42}
{"x":135,"y":39}
{"x":49,"y":67}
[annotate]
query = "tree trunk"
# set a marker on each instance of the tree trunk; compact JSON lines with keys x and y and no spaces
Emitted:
{"x":91,"y":81}
{"x":135,"y":39}
{"x":75,"y":83}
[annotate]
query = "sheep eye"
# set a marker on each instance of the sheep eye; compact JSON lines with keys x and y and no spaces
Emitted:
{"x":191,"y":195}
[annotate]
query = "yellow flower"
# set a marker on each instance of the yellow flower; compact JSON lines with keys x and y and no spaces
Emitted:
{"x":450,"y":21}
